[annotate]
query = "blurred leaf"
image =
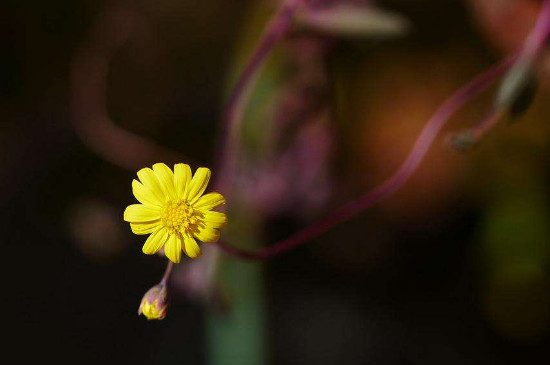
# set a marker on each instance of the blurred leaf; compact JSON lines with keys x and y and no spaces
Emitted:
{"x":354,"y":21}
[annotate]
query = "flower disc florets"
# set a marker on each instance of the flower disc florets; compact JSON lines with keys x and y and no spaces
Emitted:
{"x":179,"y":216}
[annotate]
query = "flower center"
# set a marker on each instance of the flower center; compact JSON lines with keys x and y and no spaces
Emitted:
{"x":178,"y":216}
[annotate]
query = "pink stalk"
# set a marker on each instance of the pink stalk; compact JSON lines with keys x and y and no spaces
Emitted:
{"x":426,"y":138}
{"x":396,"y":181}
{"x":515,"y":80}
{"x":234,"y":110}
{"x":90,"y":117}
{"x":536,"y":39}
{"x":167,"y":273}
{"x":490,"y":120}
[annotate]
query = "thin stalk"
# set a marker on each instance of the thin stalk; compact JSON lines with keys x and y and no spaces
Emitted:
{"x":533,"y":44}
{"x":490,"y":120}
{"x":167,"y":273}
{"x":234,"y":110}
{"x":396,"y":181}
{"x":89,"y":79}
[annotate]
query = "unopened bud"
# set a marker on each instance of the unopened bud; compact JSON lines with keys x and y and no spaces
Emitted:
{"x":154,"y":304}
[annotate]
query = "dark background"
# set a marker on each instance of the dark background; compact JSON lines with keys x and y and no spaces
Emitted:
{"x":408,"y":284}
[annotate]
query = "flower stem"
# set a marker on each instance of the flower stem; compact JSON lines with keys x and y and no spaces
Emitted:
{"x":490,"y":120}
{"x":167,"y":273}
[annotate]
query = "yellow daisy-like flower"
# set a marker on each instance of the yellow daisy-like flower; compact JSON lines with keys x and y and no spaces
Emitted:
{"x":174,"y":211}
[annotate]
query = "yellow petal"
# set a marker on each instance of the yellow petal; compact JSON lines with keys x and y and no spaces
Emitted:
{"x":144,"y":195}
{"x":192,"y":249}
{"x":144,"y":228}
{"x":198,"y":184}
{"x":155,"y":241}
{"x":136,"y":213}
{"x":149,"y":179}
{"x":182,"y":178}
{"x":208,"y":234}
{"x":166,"y":178}
{"x":172,"y":249}
{"x":209,"y":201}
{"x":215,"y":219}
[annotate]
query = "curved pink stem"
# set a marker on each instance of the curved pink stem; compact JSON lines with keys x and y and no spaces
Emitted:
{"x":489,"y":121}
{"x":234,"y":110}
{"x":90,"y":68}
{"x":396,"y":181}
{"x":167,"y":273}
{"x":434,"y":125}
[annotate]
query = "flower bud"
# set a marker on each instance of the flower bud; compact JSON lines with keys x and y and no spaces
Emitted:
{"x":154,"y":304}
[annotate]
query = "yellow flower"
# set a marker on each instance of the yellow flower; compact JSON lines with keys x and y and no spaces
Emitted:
{"x":174,"y":211}
{"x":153,"y":305}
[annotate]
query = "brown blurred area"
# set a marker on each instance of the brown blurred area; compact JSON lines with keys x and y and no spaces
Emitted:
{"x":452,"y":269}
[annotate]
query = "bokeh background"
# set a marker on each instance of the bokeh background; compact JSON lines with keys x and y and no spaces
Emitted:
{"x":452,"y":269}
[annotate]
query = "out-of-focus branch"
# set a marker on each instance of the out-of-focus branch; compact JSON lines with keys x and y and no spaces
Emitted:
{"x":466,"y":139}
{"x":234,"y":111}
{"x":199,"y":275}
{"x":90,"y":117}
{"x":517,"y":87}
{"x":392,"y":184}
{"x":532,"y":46}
